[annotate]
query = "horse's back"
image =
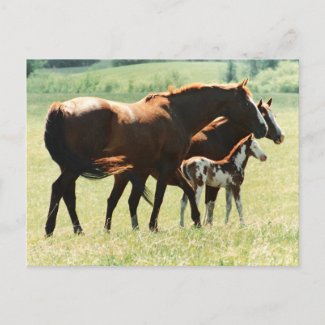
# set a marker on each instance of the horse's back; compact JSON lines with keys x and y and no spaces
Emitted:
{"x":82,"y":105}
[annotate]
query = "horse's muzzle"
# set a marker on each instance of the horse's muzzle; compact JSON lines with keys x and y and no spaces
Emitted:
{"x":280,"y":139}
{"x":263,"y":157}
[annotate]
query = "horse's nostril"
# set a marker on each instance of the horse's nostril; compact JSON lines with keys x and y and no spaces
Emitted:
{"x":280,"y":139}
{"x":263,"y":158}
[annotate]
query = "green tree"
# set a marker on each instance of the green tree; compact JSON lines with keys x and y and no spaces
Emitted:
{"x":231,"y":71}
{"x":32,"y":65}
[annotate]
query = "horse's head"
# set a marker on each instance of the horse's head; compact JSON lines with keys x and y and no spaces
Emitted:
{"x":254,"y":149}
{"x":243,"y":111}
{"x":274,"y":131}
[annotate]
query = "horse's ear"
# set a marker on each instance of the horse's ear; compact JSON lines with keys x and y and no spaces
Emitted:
{"x":269,"y":101}
{"x":243,"y":83}
{"x":260,"y":103}
{"x":246,"y":81}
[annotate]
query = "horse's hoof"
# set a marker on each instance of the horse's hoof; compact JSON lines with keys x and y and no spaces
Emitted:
{"x":197,"y":225}
{"x":78,"y":230}
{"x":153,"y":228}
{"x":137,"y":228}
{"x":48,"y":235}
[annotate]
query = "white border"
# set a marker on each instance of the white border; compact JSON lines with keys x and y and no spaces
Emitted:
{"x":161,"y":29}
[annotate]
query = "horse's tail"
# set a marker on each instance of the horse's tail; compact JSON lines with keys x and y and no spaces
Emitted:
{"x":97,"y":169}
{"x":110,"y":165}
{"x":184,"y":170}
{"x":64,"y":157}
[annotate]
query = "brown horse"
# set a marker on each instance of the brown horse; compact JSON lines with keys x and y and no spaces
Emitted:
{"x":217,"y":139}
{"x":95,"y":137}
{"x":214,"y":141}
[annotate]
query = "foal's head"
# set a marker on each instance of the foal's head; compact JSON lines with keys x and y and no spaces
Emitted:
{"x":274,"y":131}
{"x":243,"y":111}
{"x":254,"y":149}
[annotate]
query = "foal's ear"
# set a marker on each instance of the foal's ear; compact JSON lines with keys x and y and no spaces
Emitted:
{"x":260,"y":103}
{"x":269,"y":101}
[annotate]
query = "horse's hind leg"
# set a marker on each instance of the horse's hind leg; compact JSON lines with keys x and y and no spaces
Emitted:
{"x":134,"y":199}
{"x":120,"y":182}
{"x":228,"y":203}
{"x":58,"y":189}
{"x":210,"y":199}
{"x":69,"y":198}
{"x":184,"y":201}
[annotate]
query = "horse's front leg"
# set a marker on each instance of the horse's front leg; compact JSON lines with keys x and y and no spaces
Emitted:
{"x":120,"y":182}
{"x":237,"y":197}
{"x":210,"y":199}
{"x":159,"y":195}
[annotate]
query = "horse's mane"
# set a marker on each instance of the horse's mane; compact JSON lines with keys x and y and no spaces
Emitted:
{"x":194,"y":88}
{"x":232,"y":152}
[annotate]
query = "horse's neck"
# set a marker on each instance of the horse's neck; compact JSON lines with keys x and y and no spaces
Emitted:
{"x":196,"y":110}
{"x":240,"y":158}
{"x":230,"y":133}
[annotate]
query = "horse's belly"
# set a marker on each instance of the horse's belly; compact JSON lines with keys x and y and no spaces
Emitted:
{"x":219,"y":179}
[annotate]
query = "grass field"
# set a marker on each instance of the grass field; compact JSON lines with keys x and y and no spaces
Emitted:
{"x":270,"y":200}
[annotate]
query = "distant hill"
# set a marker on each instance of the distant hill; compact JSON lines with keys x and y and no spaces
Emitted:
{"x":157,"y":76}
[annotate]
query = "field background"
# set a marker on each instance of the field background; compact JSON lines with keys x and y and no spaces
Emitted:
{"x":270,"y":190}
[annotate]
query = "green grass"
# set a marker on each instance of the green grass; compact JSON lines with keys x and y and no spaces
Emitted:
{"x":270,"y":200}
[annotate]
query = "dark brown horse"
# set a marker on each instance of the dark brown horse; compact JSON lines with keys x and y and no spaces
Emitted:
{"x":217,"y":139}
{"x":95,"y":137}
{"x":215,"y":142}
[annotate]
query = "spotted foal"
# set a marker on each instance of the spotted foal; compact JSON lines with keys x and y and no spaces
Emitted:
{"x":227,"y":173}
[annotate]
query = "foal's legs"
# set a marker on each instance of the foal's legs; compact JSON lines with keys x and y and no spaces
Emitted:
{"x":210,"y":199}
{"x":237,"y":197}
{"x":184,"y":201}
{"x":120,"y":182}
{"x":181,"y":181}
{"x":228,"y":203}
{"x":168,"y":173}
{"x":59,"y":188}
